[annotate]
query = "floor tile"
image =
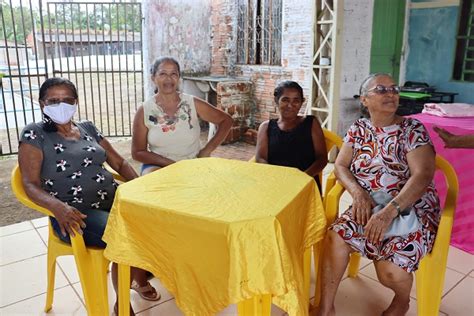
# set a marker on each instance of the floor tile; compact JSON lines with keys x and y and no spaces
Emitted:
{"x":459,"y":301}
{"x":15,"y":228}
{"x":138,"y":303}
{"x":460,"y":261}
{"x":68,"y":265}
{"x":167,"y":308}
{"x":65,"y":302}
{"x":366,"y":297}
{"x":40,"y":222}
{"x":451,"y":279}
{"x":20,"y":246}
{"x":44,"y":233}
{"x":24,"y":279}
{"x":232,"y":311}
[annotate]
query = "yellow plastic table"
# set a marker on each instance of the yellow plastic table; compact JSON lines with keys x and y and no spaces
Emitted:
{"x":217,"y":232}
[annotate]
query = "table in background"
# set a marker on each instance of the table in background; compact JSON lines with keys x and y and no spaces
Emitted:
{"x":217,"y":232}
{"x":463,"y":162}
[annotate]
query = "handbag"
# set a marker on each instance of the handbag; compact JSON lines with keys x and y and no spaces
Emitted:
{"x":405,"y":223}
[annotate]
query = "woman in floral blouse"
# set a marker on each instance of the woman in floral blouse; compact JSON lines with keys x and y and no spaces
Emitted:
{"x":61,"y":163}
{"x":166,"y":127}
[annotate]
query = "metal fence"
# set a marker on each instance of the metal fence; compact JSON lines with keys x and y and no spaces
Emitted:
{"x":97,"y":45}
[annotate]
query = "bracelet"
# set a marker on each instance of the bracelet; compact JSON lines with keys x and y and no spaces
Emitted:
{"x":397,"y":207}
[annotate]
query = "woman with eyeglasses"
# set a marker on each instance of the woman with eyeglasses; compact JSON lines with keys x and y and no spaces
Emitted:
{"x":391,"y":156}
{"x":166,"y":127}
{"x":292,"y":140}
{"x":61,"y":162}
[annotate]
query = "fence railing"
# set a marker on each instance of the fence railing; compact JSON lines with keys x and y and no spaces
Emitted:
{"x":97,"y":45}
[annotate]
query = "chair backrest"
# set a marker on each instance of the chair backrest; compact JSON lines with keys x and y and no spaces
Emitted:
{"x":452,"y":186}
{"x":19,"y":191}
{"x":332,"y":139}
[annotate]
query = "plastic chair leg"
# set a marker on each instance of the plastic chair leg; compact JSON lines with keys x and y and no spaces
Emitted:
{"x":259,"y":305}
{"x":124,"y":290}
{"x":88,"y":261}
{"x":429,"y":283}
{"x":51,"y":273}
{"x":354,"y":265}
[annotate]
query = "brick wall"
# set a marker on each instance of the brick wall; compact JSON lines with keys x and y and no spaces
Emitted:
{"x":297,"y":47}
{"x":236,"y":98}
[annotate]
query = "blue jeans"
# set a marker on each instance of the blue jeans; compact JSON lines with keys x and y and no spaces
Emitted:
{"x":95,"y":225}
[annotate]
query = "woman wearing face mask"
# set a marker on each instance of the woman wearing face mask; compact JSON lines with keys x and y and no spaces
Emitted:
{"x":61,"y":162}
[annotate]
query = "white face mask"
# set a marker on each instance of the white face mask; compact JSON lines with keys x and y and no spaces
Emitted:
{"x":60,"y":113}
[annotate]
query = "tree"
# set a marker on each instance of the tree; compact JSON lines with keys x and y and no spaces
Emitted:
{"x":17,"y":22}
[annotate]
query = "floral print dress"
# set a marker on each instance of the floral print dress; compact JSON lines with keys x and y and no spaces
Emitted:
{"x":379,"y":162}
{"x":177,"y":136}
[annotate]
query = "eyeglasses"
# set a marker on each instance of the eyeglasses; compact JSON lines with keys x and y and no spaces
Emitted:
{"x":379,"y":89}
{"x":71,"y":101}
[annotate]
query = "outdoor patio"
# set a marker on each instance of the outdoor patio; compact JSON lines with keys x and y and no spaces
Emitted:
{"x":23,"y":274}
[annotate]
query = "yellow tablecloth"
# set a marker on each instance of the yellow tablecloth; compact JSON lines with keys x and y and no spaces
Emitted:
{"x":219,"y":231}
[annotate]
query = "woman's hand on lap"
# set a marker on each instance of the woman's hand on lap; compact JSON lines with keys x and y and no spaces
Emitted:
{"x":69,"y":218}
{"x":362,"y":206}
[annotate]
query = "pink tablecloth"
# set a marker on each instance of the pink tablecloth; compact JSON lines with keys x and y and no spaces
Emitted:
{"x":463,"y":162}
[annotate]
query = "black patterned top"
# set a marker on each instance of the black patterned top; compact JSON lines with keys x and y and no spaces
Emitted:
{"x":72,"y":170}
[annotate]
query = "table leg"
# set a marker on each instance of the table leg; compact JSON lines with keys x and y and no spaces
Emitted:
{"x":124,"y":290}
{"x":259,"y":305}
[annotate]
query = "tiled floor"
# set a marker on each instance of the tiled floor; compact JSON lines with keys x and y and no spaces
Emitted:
{"x":23,"y":282}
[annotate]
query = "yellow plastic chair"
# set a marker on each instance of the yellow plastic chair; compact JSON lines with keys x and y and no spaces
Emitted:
{"x":91,"y":264}
{"x":432,"y":269}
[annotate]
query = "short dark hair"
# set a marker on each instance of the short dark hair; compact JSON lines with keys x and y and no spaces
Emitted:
{"x":49,"y":125}
{"x":54,"y":82}
{"x":287,"y":84}
{"x":160,"y":60}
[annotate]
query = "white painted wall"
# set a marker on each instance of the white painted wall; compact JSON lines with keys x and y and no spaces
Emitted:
{"x":356,"y":42}
{"x":180,"y":29}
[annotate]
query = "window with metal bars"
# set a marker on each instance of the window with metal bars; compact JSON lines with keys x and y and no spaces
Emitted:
{"x":464,"y":58}
{"x":259,"y":27}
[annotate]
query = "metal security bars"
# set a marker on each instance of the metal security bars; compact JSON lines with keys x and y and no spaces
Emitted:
{"x":259,"y":29}
{"x":97,"y":45}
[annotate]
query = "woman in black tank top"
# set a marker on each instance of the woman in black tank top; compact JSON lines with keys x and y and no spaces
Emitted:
{"x":292,"y":140}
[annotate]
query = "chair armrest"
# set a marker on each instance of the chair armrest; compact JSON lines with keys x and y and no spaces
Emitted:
{"x":116,"y":176}
{"x":332,"y":202}
{"x":19,"y":191}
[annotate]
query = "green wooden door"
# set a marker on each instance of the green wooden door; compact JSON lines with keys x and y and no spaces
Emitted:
{"x":387,"y":36}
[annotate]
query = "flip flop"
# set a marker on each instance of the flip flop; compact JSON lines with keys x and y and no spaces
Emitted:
{"x":148,"y":288}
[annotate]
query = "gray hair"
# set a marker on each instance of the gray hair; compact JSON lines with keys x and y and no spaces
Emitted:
{"x":364,"y":87}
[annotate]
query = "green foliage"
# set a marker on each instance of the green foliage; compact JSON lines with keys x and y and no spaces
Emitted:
{"x":20,"y":17}
{"x":17,"y":22}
